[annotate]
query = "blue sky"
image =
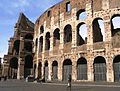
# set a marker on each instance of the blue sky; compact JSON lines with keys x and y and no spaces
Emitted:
{"x":9,"y":13}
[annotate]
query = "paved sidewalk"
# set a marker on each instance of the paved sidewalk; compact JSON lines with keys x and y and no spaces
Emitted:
{"x":21,"y":85}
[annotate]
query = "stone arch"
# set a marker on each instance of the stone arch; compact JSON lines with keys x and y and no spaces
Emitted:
{"x":47,"y":41}
{"x":116,"y":68}
{"x":98,"y":30}
{"x":115,"y":24}
{"x":28,"y":36}
{"x":82,"y":69}
{"x":115,"y":30}
{"x":100,"y":69}
{"x":68,"y":33}
{"x":81,"y":14}
{"x":41,"y":44}
{"x":13,"y":67}
{"x":81,"y":34}
{"x":55,"y":70}
{"x":28,"y":66}
{"x":41,"y":29}
{"x":46,"y":70}
{"x":56,"y":35}
{"x":67,"y":69}
{"x":16,"y":46}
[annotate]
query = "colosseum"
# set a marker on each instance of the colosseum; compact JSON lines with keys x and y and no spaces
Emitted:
{"x":77,"y":37}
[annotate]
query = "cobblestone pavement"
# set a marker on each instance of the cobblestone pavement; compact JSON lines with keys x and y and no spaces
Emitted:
{"x":21,"y":85}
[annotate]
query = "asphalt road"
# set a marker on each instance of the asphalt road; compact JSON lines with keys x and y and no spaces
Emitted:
{"x":17,"y":85}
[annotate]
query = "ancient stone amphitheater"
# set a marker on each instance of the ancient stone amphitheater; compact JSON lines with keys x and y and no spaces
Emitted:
{"x":77,"y":37}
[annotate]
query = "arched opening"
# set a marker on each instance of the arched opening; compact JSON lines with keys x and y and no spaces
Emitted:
{"x":98,"y":30}
{"x":56,"y":37}
{"x":36,"y":44}
{"x":16,"y":47}
{"x":28,"y":36}
{"x":47,"y":41}
{"x":100,"y":69}
{"x":28,"y":65}
{"x":46,"y":70}
{"x":41,"y":29}
{"x":115,"y":30}
{"x":41,"y":44}
{"x":115,"y":25}
{"x":13,"y":67}
{"x":67,"y":34}
{"x":116,"y":68}
{"x":39,"y":70}
{"x":55,"y":70}
{"x":81,"y":14}
{"x":82,"y":69}
{"x":28,"y":46}
{"x":34,"y":70}
{"x":67,"y":69}
{"x":81,"y":34}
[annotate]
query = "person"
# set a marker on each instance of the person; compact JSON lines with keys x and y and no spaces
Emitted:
{"x":69,"y":82}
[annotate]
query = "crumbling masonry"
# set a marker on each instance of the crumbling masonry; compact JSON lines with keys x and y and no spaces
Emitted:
{"x":61,"y":49}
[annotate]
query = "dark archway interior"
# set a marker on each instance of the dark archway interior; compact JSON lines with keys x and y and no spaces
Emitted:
{"x":41,"y":44}
{"x":41,"y":29}
{"x":47,"y":39}
{"x":116,"y":59}
{"x":97,"y":34}
{"x":14,"y":63}
{"x":28,"y":46}
{"x":81,"y":61}
{"x":67,"y":62}
{"x":67,"y":33}
{"x":29,"y":36}
{"x":55,"y":63}
{"x":80,"y":40}
{"x":16,"y":46}
{"x":56,"y":36}
{"x":29,"y":61}
{"x":46,"y":64}
{"x":99,"y":59}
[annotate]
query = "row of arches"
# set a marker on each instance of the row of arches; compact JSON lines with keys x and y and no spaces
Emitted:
{"x":13,"y":67}
{"x":82,"y":32}
{"x":27,"y":44}
{"x":99,"y":69}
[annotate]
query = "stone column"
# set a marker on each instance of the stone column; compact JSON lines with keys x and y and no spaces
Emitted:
{"x":60,"y":69}
{"x":20,"y":71}
{"x":90,"y":70}
{"x":74,"y":70}
{"x":110,"y":73}
{"x":49,"y":70}
{"x":74,"y":28}
{"x":42,"y":69}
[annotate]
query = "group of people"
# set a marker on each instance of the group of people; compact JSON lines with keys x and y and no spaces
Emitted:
{"x":4,"y":78}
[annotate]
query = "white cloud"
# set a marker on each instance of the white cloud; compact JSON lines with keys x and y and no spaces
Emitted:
{"x":20,"y":3}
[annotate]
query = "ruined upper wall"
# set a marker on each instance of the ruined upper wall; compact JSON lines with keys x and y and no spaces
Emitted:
{"x":60,"y":8}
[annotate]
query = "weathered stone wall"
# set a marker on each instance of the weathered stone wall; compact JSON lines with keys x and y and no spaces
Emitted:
{"x":59,"y":18}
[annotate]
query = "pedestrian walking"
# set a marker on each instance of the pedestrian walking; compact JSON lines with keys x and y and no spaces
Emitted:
{"x":69,"y":82}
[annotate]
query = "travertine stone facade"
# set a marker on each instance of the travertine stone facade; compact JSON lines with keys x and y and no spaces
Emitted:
{"x":63,"y":46}
{"x":20,"y":47}
{"x":100,"y":50}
